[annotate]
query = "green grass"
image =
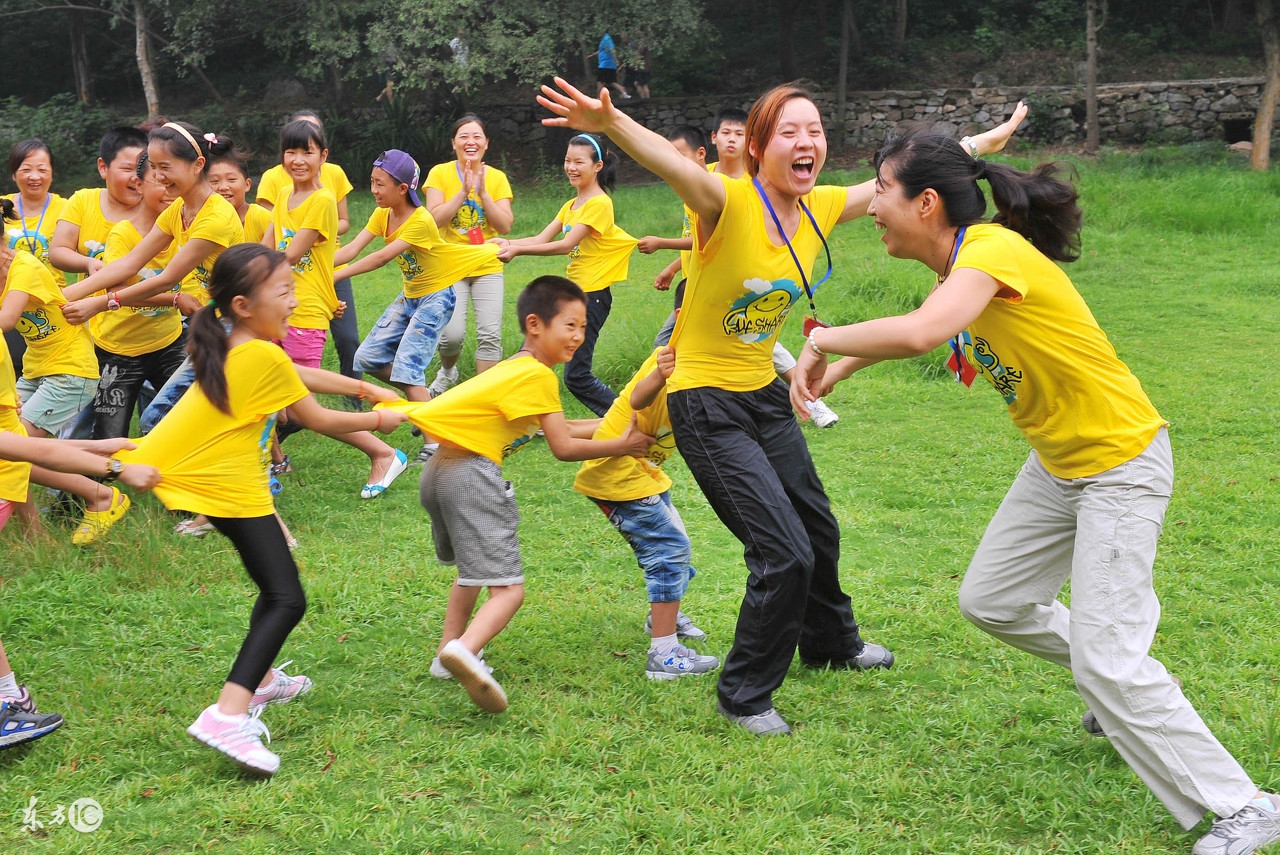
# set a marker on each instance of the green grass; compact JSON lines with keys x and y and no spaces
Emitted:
{"x":966,"y":746}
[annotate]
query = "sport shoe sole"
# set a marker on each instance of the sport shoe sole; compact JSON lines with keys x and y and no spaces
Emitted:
{"x":18,"y":727}
{"x":265,"y":766}
{"x":483,"y":690}
{"x":767,"y":723}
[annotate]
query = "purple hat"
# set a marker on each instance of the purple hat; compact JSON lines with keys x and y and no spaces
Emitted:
{"x":404,"y":169}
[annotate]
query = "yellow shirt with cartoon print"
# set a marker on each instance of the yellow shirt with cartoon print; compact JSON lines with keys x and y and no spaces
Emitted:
{"x":444,"y":177}
{"x":33,"y":230}
{"x":135,"y":330}
{"x":216,"y":222}
{"x":603,"y":257}
{"x":430,"y":264}
{"x":313,"y":272}
{"x":84,"y":209}
{"x":54,"y":346}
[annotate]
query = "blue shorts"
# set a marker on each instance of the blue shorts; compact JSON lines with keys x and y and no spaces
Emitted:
{"x":655,"y":532}
{"x":405,"y":337}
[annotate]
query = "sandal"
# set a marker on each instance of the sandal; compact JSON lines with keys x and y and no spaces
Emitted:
{"x":283,"y":467}
{"x":193,"y":528}
{"x":96,"y":523}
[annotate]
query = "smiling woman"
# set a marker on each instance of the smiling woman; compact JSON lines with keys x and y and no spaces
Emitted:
{"x":754,"y":247}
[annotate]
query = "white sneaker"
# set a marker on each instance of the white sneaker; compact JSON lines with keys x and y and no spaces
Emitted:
{"x":822,"y":415}
{"x":474,"y":677}
{"x":1244,"y":832}
{"x":443,"y":382}
{"x":442,"y":673}
{"x":240,"y":739}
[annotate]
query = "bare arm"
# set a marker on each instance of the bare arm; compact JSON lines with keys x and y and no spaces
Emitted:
{"x":63,"y":252}
{"x":498,"y":212}
{"x":331,"y":383}
{"x":348,"y":253}
{"x":646,"y":391}
{"x":701,"y":191}
{"x":373,"y":260}
{"x":565,"y":446}
{"x":15,"y":302}
{"x":344,"y":219}
{"x":530,"y":246}
{"x":308,"y":413}
{"x":126,"y":267}
{"x":78,"y":457}
{"x":301,"y":245}
{"x":650,"y":244}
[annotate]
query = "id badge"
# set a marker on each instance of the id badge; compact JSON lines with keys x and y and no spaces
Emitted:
{"x":475,"y":235}
{"x":960,"y":367}
{"x":811,"y":324}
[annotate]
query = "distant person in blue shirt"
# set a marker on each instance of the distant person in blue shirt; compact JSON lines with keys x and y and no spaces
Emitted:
{"x":607,"y":67}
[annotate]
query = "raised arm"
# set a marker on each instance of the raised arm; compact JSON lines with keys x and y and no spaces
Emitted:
{"x":700,"y":190}
{"x":858,"y":197}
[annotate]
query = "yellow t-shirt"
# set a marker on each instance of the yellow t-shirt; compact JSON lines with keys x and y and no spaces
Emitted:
{"x":135,"y":330}
{"x":493,"y":413}
{"x":430,"y":264}
{"x":34,"y":229}
{"x":741,"y":288}
{"x":602,"y":257}
{"x":1038,"y":344}
{"x":14,"y":474}
{"x":216,"y":222}
{"x":626,"y":478}
{"x":445,"y":178}
{"x":256,"y":221}
{"x":84,"y":209}
{"x":54,"y":346}
{"x":275,"y":179}
{"x":313,"y":273}
{"x":214,"y":463}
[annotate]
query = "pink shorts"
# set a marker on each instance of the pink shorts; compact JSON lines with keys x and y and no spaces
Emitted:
{"x":305,"y":347}
{"x":6,"y":511}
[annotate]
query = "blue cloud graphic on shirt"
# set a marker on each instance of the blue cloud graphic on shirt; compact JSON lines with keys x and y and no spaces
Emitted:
{"x":758,"y":313}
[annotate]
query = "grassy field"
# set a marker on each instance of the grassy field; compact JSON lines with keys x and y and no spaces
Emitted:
{"x":966,"y":746}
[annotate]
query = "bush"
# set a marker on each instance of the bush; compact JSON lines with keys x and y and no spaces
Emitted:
{"x":71,"y":130}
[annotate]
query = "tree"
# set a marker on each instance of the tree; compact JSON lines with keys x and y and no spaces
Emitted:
{"x":849,"y":39}
{"x":1261,"y":157}
{"x":1091,"y":27}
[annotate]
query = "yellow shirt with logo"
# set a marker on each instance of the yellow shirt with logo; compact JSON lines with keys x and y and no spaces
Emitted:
{"x":602,"y":257}
{"x":625,"y":478}
{"x":313,"y":272}
{"x":444,"y":177}
{"x":493,"y":413}
{"x":136,"y":330}
{"x":256,"y":221}
{"x":216,"y":222}
{"x":54,"y":346}
{"x":275,"y":179}
{"x":84,"y":209}
{"x":740,"y":291}
{"x":14,"y":474}
{"x":34,"y":229}
{"x":216,"y":463}
{"x":1079,"y":406}
{"x":430,"y":264}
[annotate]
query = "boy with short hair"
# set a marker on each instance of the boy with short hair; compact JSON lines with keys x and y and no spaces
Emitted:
{"x":473,"y":510}
{"x":730,"y":140}
{"x":635,"y":496}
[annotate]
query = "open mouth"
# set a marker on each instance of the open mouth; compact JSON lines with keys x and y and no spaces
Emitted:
{"x":802,"y":167}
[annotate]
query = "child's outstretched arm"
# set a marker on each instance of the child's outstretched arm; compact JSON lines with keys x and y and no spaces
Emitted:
{"x":541,"y":245}
{"x":310,"y":414}
{"x":186,"y":260}
{"x":348,"y":252}
{"x":78,"y":457}
{"x":565,"y":446}
{"x":666,"y":276}
{"x":332,"y":383}
{"x":650,"y":244}
{"x":583,"y":428}
{"x":373,"y":260}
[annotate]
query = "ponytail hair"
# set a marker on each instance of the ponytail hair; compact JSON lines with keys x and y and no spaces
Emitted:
{"x":238,"y":271}
{"x":1039,"y":205}
{"x":600,"y":153}
{"x":187,"y":142}
{"x":8,"y":211}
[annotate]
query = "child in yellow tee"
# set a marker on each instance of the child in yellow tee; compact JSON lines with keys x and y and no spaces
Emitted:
{"x":472,"y":508}
{"x":634,"y":494}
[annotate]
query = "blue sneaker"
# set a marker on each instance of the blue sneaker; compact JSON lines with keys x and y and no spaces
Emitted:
{"x":17,"y":727}
{"x":679,"y":662}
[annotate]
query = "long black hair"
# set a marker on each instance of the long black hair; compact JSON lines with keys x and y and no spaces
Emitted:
{"x":239,"y":270}
{"x":1039,"y":205}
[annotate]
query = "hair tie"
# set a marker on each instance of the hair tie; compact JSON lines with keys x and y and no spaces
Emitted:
{"x":186,"y":134}
{"x":594,"y":144}
{"x":213,"y":304}
{"x":979,"y":169}
{"x":211,"y":138}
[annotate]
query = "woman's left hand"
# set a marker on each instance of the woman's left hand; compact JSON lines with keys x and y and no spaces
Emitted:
{"x":994,"y":140}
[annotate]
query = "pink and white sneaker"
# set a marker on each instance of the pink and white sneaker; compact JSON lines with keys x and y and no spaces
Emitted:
{"x":280,"y":690}
{"x":237,"y":736}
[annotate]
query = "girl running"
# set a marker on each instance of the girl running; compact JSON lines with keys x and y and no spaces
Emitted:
{"x":304,"y":228}
{"x":599,"y":255}
{"x":470,"y":201}
{"x":212,"y":450}
{"x":1100,"y":471}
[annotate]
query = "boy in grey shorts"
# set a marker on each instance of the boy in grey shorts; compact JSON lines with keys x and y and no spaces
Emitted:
{"x":473,"y":510}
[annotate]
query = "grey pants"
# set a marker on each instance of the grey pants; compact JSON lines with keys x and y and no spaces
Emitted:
{"x":1100,"y":532}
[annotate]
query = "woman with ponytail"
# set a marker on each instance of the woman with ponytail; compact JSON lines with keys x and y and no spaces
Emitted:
{"x":599,"y":255}
{"x":212,"y":455}
{"x":1089,"y":503}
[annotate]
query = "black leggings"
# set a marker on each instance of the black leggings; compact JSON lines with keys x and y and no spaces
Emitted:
{"x":280,"y":604}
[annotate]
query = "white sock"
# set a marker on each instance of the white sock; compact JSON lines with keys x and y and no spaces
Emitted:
{"x":9,"y":686}
{"x":1266,"y":803}
{"x":663,"y":644}
{"x":219,"y":715}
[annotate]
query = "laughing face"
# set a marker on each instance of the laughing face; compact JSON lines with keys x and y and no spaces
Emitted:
{"x":796,"y":150}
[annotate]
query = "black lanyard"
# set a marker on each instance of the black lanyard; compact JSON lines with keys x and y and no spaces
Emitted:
{"x":804,"y":280}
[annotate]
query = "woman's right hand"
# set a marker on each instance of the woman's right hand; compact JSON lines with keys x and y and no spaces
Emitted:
{"x":575,"y":109}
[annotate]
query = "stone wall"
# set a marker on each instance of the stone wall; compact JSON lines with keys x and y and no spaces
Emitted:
{"x":1178,"y":111}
